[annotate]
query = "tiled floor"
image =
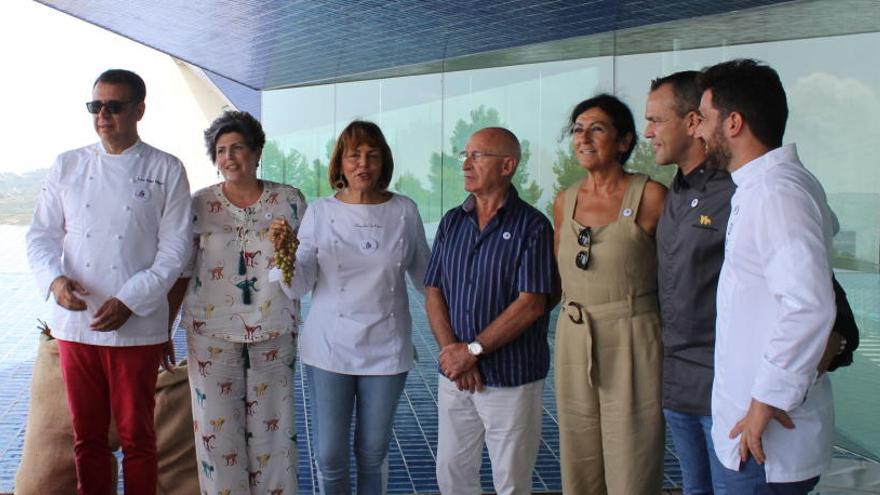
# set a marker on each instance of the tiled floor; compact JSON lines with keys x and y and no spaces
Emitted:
{"x":414,"y":440}
{"x":413,"y":445}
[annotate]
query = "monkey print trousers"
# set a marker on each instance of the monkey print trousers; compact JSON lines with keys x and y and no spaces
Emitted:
{"x":243,"y":414}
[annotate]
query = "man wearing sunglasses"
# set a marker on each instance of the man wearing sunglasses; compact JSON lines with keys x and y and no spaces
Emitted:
{"x":110,"y":234}
{"x":489,"y":290}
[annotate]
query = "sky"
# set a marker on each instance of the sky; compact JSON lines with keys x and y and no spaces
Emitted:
{"x":50,"y":62}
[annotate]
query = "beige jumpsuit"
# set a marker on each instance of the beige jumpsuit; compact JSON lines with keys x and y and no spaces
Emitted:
{"x":608,"y":354}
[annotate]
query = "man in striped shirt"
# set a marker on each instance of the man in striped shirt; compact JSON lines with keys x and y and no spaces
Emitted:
{"x":490,"y":284}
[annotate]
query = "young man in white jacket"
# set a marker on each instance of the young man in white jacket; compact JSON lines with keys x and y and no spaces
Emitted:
{"x":772,"y":412}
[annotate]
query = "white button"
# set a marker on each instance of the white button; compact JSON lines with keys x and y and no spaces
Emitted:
{"x":127,"y":208}
{"x":340,"y":314}
{"x":339,"y":266}
{"x":88,"y":205}
{"x":392,"y":314}
{"x":118,"y":236}
{"x":90,"y":177}
{"x":331,"y":220}
{"x":113,"y":267}
{"x":342,"y":289}
{"x":398,"y":264}
{"x":88,"y":235}
{"x":88,"y":265}
{"x":132,"y":181}
{"x":392,"y":289}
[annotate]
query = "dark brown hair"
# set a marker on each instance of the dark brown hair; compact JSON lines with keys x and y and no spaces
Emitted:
{"x":620,"y":115}
{"x":126,"y":77}
{"x":752,"y":89}
{"x":355,"y":134}
{"x":234,"y":121}
{"x":685,"y":90}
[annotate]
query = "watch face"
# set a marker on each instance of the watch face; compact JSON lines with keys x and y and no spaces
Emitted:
{"x":475,"y":348}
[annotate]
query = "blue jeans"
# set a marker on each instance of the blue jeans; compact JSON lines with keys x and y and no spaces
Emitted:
{"x":333,"y":397}
{"x":701,"y":471}
{"x":752,"y":480}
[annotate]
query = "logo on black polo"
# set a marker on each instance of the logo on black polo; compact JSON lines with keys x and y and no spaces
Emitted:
{"x":705,"y":223}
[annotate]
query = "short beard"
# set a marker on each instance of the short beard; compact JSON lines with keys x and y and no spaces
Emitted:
{"x":718,"y":156}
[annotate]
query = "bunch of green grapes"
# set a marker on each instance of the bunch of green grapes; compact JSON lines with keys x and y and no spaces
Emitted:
{"x":285,"y":255}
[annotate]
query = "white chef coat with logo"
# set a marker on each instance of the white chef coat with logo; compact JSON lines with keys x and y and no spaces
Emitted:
{"x":775,"y":312}
{"x":353,"y":258}
{"x":121,"y":225}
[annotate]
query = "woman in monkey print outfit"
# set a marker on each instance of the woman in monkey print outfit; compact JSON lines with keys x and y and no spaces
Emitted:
{"x":241,"y":328}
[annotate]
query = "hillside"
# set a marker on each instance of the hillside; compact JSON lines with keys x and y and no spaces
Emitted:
{"x":17,"y":196}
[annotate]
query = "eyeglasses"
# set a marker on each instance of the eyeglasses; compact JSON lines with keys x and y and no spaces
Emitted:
{"x":113,"y":106}
{"x":477,"y":155}
{"x":585,"y":239}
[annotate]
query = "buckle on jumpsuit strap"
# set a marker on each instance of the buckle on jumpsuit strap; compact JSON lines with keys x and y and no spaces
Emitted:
{"x":580,"y":312}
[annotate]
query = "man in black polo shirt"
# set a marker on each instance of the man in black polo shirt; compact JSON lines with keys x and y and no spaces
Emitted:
{"x":690,"y":251}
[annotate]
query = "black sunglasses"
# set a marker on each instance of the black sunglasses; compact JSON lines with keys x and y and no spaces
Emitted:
{"x":113,"y":106}
{"x":585,"y":239}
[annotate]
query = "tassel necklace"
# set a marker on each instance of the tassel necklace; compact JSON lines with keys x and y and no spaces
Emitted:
{"x":244,"y":219}
{"x":247,"y":284}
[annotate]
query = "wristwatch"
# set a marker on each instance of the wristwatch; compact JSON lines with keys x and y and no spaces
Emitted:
{"x":475,"y":348}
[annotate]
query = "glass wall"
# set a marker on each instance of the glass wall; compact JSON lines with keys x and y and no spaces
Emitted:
{"x":832,"y":77}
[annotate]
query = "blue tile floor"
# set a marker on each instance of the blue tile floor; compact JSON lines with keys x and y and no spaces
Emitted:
{"x":413,"y":444}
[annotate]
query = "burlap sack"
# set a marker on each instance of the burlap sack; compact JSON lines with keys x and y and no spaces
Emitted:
{"x":178,"y":474}
{"x":47,"y":458}
{"x":47,"y":463}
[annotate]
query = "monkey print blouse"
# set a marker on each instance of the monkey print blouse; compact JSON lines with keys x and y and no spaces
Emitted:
{"x":229,"y":295}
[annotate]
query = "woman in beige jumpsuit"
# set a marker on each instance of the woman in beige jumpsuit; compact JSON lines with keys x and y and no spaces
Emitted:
{"x":608,"y":347}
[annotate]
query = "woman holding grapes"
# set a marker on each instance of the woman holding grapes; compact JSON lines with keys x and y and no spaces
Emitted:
{"x":354,"y":249}
{"x":241,"y":328}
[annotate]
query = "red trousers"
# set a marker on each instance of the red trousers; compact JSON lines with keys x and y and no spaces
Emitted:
{"x":101,"y":379}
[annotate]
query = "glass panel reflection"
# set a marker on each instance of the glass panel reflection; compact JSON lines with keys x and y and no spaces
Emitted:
{"x":833,"y":85}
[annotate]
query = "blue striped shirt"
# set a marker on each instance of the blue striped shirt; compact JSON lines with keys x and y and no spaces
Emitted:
{"x":481,"y":273}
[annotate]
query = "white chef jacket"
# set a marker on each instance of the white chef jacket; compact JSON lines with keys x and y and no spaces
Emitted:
{"x":775,"y":311}
{"x":353,"y":258}
{"x":121,"y":226}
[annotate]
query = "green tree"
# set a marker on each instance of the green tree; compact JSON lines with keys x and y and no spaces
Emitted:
{"x":410,"y":185}
{"x":276,"y":163}
{"x":292,"y":167}
{"x":568,"y":169}
{"x":642,"y":160}
{"x":316,"y":183}
{"x":445,"y":177}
